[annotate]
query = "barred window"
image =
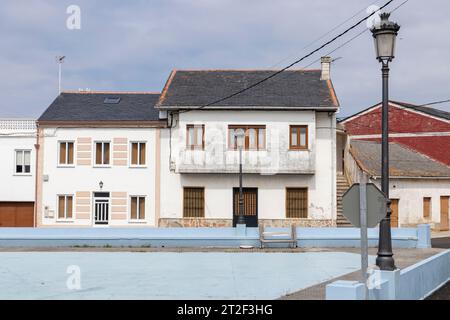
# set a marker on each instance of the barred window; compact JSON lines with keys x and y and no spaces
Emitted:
{"x":194,"y":202}
{"x":296,"y":203}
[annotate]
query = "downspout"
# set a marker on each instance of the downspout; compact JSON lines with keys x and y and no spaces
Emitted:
{"x":37,"y":146}
{"x":333,"y":165}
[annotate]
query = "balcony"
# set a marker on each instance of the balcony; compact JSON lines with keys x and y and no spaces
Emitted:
{"x":270,"y":161}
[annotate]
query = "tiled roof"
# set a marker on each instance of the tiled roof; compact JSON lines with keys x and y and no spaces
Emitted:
{"x":91,"y":106}
{"x":403,"y":162}
{"x":291,"y":89}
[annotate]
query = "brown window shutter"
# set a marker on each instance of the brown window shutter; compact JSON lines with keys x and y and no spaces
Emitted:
{"x":142,"y":153}
{"x":426,"y":207}
{"x":133,"y":207}
{"x":134,"y":153}
{"x":61,"y":205}
{"x":69,"y":200}
{"x":70,"y":153}
{"x":98,"y":153}
{"x":142,"y":208}
{"x":62,"y":153}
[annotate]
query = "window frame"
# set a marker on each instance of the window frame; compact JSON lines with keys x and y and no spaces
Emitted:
{"x":23,"y":173}
{"x":130,"y":219}
{"x":103,"y":142}
{"x":65,"y":219}
{"x":306,"y":199}
{"x":299,"y":147}
{"x":139,"y":142}
{"x":67,"y":153}
{"x":195,"y":146}
{"x":246,"y":127}
{"x":202,"y":216}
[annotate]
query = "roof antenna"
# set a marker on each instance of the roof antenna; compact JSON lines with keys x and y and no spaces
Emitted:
{"x":59,"y":60}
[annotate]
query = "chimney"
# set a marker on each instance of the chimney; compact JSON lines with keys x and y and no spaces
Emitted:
{"x":325,"y":62}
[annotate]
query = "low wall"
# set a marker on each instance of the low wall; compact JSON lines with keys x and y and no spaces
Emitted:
{"x":415,"y":282}
{"x":198,"y":237}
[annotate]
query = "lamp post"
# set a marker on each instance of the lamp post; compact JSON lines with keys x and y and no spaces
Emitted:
{"x":385,"y":35}
{"x":240,"y":139}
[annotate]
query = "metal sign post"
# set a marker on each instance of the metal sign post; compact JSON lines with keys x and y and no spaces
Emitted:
{"x":364,"y":205}
{"x":363,"y":231}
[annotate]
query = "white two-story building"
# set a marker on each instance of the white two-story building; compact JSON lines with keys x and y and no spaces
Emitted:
{"x":96,"y":160}
{"x":17,"y":172}
{"x":289,"y":167}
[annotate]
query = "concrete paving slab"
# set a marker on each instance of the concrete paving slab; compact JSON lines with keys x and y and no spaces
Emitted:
{"x":168,"y":275}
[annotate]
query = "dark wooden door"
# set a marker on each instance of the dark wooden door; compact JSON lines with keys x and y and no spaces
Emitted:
{"x":250,"y":206}
{"x":444,"y":213}
{"x":16,"y":214}
{"x":394,"y":213}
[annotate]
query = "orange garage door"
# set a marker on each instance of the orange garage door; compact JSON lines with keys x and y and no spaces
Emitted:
{"x":16,"y":214}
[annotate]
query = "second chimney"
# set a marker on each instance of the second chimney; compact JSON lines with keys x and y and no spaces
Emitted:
{"x":325,"y":62}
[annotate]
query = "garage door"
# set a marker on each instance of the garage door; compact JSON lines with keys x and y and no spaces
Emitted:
{"x":16,"y":214}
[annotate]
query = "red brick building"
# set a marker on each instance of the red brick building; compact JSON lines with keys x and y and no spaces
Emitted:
{"x":419,"y":164}
{"x":424,"y":129}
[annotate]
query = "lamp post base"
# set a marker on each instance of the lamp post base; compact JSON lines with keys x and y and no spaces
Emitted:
{"x":385,"y":261}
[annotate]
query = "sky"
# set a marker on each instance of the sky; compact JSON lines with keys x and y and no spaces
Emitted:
{"x":133,"y":45}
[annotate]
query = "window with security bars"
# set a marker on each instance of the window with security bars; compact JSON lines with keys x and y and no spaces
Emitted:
{"x":296,"y":203}
{"x":194,"y":202}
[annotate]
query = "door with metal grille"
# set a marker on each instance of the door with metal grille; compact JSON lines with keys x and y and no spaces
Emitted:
{"x":250,"y":206}
{"x":101,"y":208}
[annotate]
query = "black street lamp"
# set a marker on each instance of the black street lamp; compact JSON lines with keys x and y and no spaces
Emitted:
{"x":240,"y":140}
{"x":385,"y":35}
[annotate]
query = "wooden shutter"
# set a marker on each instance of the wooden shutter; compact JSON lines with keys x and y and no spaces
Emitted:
{"x":426,"y":207}
{"x":98,"y":153}
{"x":134,"y":153}
{"x":62,"y":153}
{"x":69,"y":205}
{"x":142,"y":153}
{"x":296,"y":203}
{"x":194,"y":202}
{"x":61,"y":206}
{"x":133,"y":208}
{"x":70,"y":153}
{"x":141,"y":208}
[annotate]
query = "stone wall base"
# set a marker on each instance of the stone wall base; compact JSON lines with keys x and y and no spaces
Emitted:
{"x":282,"y":223}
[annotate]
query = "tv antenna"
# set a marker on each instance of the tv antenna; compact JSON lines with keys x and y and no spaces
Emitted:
{"x":59,"y":60}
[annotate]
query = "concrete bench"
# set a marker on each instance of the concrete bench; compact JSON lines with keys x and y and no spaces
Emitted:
{"x":278,"y":237}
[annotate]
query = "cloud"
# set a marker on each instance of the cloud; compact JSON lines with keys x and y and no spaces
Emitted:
{"x":133,"y":45}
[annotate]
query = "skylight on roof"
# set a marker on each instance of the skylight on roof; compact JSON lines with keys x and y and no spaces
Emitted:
{"x":111,"y":100}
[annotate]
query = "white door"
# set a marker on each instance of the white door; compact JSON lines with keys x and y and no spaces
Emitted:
{"x":101,"y":208}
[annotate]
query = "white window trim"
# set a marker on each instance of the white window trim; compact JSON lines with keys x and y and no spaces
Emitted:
{"x":63,"y":165}
{"x":103,"y":150}
{"x":139,"y":153}
{"x":58,"y":219}
{"x":23,"y":165}
{"x":130,"y":220}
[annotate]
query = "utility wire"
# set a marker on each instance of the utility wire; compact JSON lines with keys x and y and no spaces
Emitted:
{"x":293,"y":63}
{"x":325,"y":34}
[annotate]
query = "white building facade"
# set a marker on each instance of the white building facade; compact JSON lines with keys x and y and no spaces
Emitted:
{"x":17,"y":174}
{"x":288,"y":156}
{"x":100,"y":171}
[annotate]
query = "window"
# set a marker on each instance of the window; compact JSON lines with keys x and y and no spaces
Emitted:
{"x":426,"y":207}
{"x":255,"y":137}
{"x":102,"y":153}
{"x":66,"y":153}
{"x":138,"y":153}
{"x":65,"y":206}
{"x":23,"y":161}
{"x":296,"y":203}
{"x":298,"y":137}
{"x":194,"y":202}
{"x":137,"y":211}
{"x":195,"y":136}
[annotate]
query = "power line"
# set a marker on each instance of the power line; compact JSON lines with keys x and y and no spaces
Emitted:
{"x":325,"y":34}
{"x":293,"y":63}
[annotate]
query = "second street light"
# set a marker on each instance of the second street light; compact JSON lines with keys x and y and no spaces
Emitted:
{"x":385,"y":35}
{"x":240,"y":140}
